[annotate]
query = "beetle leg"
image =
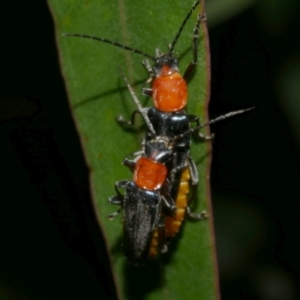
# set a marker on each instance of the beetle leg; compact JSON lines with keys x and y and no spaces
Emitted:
{"x":114,"y":214}
{"x":169,"y":204}
{"x":129,"y":163}
{"x":194,"y":182}
{"x":193,"y":118}
{"x":167,"y":200}
{"x":131,"y":122}
{"x":177,"y":169}
{"x":192,"y":66}
{"x":193,"y":172}
{"x":118,"y":199}
{"x":197,"y":216}
{"x":147,"y":92}
{"x":149,"y":69}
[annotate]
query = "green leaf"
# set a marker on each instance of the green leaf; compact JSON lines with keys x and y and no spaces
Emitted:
{"x":98,"y":94}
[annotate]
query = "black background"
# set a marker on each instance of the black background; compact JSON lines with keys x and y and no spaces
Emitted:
{"x":51,"y":246}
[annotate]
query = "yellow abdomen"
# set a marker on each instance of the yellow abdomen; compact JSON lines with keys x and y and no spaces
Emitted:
{"x":173,"y":223}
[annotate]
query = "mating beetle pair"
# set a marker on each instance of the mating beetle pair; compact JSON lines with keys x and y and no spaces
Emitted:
{"x":151,"y":216}
{"x":156,"y":201}
{"x":153,"y":213}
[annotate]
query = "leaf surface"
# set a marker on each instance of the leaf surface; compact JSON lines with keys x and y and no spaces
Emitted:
{"x":97,"y":94}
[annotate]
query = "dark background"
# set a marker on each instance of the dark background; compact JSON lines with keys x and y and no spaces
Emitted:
{"x":50,"y":242}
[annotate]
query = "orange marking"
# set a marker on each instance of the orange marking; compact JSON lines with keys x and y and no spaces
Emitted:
{"x":169,"y":92}
{"x":149,"y":175}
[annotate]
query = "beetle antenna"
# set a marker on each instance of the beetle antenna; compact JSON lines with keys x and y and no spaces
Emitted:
{"x":138,"y":104}
{"x":109,"y":42}
{"x":182,"y":26}
{"x":220,"y":118}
